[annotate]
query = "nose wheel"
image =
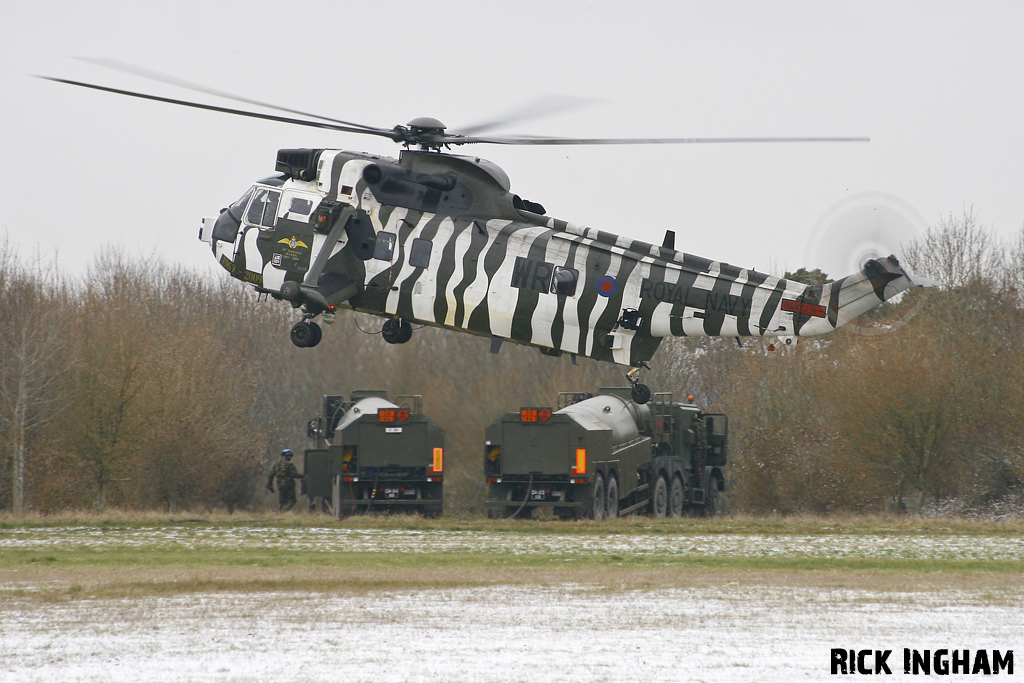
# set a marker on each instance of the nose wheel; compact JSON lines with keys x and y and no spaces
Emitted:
{"x":641,"y":392}
{"x":306,"y":334}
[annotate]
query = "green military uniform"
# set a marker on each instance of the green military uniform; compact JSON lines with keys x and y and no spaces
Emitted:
{"x":286,"y":474}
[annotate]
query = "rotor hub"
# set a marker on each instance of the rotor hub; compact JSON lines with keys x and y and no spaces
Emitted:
{"x":425,"y":131}
{"x":427,"y":124}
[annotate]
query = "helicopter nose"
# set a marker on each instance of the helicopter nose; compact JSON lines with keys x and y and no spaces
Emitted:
{"x":206,"y":229}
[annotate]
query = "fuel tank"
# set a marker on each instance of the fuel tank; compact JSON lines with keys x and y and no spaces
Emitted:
{"x":626,"y":419}
{"x":366,"y":406}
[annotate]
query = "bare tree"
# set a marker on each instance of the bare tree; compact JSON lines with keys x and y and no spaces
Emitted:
{"x":109,"y":373}
{"x":32,"y":358}
{"x":200,"y":438}
{"x":956,"y":252}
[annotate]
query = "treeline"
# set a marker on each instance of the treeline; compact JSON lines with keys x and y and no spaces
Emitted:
{"x":148,"y":386}
{"x":918,"y":405}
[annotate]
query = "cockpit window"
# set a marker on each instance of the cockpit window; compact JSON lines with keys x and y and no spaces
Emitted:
{"x":226,"y":227}
{"x":263,"y":208}
{"x":238,"y":207}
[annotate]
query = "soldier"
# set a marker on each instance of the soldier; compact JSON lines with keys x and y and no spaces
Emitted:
{"x":286,"y":475}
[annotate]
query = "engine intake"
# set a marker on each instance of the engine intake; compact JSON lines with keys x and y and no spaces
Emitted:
{"x":298,"y":163}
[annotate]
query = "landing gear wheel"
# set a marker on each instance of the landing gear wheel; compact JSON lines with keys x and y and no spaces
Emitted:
{"x":611,"y":498}
{"x":396,"y":331}
{"x":597,"y":502}
{"x":676,"y":498}
{"x":306,"y":334}
{"x":659,"y":498}
{"x":641,"y":393}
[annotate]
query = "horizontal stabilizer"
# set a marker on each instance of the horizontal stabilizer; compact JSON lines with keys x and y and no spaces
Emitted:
{"x":919,"y":281}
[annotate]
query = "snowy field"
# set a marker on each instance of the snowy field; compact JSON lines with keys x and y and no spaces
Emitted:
{"x":579,"y":632}
{"x":503,"y":634}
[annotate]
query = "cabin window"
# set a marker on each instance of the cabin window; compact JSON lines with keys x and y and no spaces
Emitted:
{"x":263,"y":208}
{"x":384,"y":250}
{"x":419,"y":254}
{"x":565,"y":280}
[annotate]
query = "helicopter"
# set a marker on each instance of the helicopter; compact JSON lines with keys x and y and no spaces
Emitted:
{"x":433,"y":238}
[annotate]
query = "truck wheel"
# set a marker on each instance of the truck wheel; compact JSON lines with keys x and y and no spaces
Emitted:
{"x":711,"y":499}
{"x":676,"y":498}
{"x":611,"y":498}
{"x":659,"y":498}
{"x":597,"y":502}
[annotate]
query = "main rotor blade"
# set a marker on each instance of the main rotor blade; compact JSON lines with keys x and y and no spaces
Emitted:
{"x":459,"y":140}
{"x":427,"y":139}
{"x":238,"y":112}
{"x":541,"y":106}
{"x":171,"y":80}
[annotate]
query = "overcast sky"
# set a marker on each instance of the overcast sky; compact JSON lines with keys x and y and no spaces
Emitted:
{"x":935,"y":85}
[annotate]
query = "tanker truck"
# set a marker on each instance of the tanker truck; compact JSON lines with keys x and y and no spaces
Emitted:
{"x":374,"y":454}
{"x":606,"y":455}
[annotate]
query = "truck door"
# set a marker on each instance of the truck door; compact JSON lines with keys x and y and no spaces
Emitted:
{"x":717,"y":426}
{"x":317,"y":468}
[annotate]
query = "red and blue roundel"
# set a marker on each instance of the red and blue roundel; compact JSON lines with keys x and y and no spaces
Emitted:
{"x":607,"y":286}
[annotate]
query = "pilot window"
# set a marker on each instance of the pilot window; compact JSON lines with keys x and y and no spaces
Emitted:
{"x":300,"y":205}
{"x":297,"y":208}
{"x":263,"y":208}
{"x":419,"y":254}
{"x":384,"y":250}
{"x":564,"y":281}
{"x":226,"y":227}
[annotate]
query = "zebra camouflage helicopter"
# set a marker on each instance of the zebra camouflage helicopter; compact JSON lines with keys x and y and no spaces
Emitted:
{"x":439,"y":239}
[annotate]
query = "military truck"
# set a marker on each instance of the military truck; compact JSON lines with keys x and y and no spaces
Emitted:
{"x":374,"y":454}
{"x":606,"y":455}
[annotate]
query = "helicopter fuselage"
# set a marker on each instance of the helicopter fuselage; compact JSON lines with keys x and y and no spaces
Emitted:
{"x":439,"y":239}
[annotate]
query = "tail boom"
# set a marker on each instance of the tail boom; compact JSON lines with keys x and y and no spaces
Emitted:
{"x":852,"y":296}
